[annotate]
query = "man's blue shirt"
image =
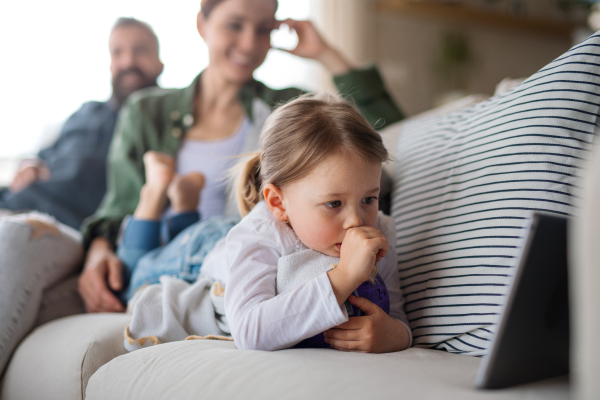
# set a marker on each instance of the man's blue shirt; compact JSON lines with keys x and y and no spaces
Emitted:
{"x":77,"y":163}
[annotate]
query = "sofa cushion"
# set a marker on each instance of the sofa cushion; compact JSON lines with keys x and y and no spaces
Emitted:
{"x":217,"y":370}
{"x":465,"y":185}
{"x":584,"y":280}
{"x":56,"y":360}
{"x":60,"y":300}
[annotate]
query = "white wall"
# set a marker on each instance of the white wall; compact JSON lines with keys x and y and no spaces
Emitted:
{"x":54,"y":57}
{"x":404,"y":46}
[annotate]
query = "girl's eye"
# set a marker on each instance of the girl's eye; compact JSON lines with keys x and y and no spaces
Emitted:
{"x":333,"y":204}
{"x":369,"y":200}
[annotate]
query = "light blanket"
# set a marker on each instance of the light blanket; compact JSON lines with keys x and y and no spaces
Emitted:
{"x":298,"y":268}
{"x":176,"y":310}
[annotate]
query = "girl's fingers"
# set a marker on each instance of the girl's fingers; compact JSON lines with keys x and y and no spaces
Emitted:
{"x":365,"y":305}
{"x":352,"y":323}
{"x":382,"y":253}
{"x":346,"y":345}
{"x":342,"y":334}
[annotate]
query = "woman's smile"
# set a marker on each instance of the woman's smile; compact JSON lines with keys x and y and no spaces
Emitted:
{"x":246,"y":62}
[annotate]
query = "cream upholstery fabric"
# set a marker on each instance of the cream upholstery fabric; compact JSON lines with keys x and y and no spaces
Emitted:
{"x":584,"y":282}
{"x":217,"y":370}
{"x":57,"y":359}
{"x":61,"y":300}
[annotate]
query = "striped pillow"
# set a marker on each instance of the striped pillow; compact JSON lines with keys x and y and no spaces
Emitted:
{"x":467,"y":182}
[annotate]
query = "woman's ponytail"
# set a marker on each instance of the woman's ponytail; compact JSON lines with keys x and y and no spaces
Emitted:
{"x":248,"y":184}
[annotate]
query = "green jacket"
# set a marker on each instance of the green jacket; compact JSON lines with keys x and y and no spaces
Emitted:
{"x":157,"y":119}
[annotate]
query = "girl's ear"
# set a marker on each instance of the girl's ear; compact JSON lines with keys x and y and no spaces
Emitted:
{"x":274,"y":199}
{"x":200,"y":24}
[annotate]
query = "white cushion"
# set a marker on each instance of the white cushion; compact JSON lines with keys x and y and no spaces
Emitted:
{"x":584,"y":280}
{"x":217,"y":370}
{"x":467,"y":182}
{"x":56,"y":360}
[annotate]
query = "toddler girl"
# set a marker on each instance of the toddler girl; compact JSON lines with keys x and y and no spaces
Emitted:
{"x":314,"y":185}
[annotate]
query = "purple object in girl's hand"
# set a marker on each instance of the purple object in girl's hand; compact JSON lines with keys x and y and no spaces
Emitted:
{"x":375,"y":292}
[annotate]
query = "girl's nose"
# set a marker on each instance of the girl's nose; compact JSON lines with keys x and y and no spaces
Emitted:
{"x":353,"y":220}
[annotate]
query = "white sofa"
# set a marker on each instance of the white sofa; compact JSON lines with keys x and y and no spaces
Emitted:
{"x":82,"y":356}
{"x":70,"y":358}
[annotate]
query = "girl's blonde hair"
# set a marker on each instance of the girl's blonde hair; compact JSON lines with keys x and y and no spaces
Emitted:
{"x":297,"y":137}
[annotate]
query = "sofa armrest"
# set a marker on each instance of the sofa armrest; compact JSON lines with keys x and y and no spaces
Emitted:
{"x":584,"y":279}
{"x":57,"y":359}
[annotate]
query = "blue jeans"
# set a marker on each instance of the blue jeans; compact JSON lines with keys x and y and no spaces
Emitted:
{"x":145,"y":261}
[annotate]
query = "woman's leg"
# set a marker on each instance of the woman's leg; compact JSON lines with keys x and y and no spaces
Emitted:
{"x":36,"y":252}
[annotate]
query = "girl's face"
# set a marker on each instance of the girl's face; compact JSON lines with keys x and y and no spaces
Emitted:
{"x":238,"y":36}
{"x":339,"y":194}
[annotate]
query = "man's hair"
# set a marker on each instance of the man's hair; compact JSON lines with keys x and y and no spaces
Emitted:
{"x":128,"y":21}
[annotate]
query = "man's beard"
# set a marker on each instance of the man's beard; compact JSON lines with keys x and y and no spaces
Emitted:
{"x":120,"y":93}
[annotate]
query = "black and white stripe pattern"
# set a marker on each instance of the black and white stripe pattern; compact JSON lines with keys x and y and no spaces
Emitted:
{"x":467,"y":182}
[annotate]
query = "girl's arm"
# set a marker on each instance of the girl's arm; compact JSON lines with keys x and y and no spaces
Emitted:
{"x":259,"y":319}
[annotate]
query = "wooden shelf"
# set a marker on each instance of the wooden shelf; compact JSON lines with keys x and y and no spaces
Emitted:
{"x":462,"y":14}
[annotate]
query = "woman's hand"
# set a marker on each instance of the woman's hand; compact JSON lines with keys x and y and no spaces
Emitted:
{"x":376,"y":332}
{"x":362,"y":247}
{"x":312,"y":45}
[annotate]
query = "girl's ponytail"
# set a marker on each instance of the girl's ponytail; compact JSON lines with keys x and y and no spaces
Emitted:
{"x":248,"y":184}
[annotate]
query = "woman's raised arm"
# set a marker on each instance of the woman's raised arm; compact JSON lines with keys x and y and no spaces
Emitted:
{"x":312,"y":45}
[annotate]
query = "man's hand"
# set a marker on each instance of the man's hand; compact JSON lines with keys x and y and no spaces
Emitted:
{"x":376,"y":332}
{"x":28,"y":173}
{"x":101,"y":264}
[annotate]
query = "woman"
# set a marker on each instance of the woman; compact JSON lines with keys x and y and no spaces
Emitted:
{"x":222,"y":110}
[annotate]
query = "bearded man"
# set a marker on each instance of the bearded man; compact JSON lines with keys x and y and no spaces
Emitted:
{"x":68,"y":179}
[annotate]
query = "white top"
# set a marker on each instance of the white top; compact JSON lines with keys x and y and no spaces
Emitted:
{"x":259,"y":319}
{"x":212,"y":159}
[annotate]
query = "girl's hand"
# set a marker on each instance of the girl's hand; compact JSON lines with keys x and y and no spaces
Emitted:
{"x":362,"y":247}
{"x":312,"y":45}
{"x":376,"y":332}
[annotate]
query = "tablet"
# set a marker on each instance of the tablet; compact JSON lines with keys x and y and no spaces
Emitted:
{"x":532,"y":339}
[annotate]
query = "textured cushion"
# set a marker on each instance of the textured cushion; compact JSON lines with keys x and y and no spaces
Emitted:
{"x":217,"y":370}
{"x":466,"y":184}
{"x":56,"y":360}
